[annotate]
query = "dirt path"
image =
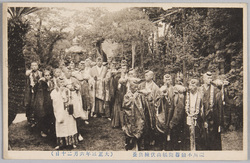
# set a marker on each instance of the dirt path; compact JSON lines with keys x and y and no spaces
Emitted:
{"x":98,"y":136}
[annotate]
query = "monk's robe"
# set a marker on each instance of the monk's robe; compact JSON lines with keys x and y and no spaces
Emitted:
{"x":134,"y":118}
{"x":177,"y":118}
{"x":212,"y":117}
{"x":83,"y":77}
{"x":193,"y":105}
{"x":43,"y":110}
{"x":119,"y":92}
{"x":107,"y":91}
{"x":29,"y":93}
{"x":164,"y":113}
{"x":99,"y":73}
{"x":66,"y":129}
{"x":152,"y":103}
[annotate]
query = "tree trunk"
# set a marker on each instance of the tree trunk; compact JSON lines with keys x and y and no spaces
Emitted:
{"x":142,"y":55}
{"x":133,"y":53}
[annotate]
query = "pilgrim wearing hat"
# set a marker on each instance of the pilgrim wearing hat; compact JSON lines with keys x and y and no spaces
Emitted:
{"x":152,"y":95}
{"x":212,"y":114}
{"x":98,"y":73}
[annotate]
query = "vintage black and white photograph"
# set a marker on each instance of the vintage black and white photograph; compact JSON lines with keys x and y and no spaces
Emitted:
{"x":144,"y":79}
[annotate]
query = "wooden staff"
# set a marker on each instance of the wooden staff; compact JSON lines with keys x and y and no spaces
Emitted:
{"x":192,"y":134}
{"x":93,"y":106}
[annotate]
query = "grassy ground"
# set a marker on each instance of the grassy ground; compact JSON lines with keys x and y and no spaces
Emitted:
{"x":98,"y":135}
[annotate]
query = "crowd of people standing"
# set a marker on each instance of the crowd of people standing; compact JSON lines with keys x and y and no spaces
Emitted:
{"x":174,"y":117}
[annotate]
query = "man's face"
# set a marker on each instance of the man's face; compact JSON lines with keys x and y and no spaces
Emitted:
{"x":81,"y":66}
{"x":57,"y":73}
{"x":47,"y":75}
{"x":207,"y":79}
{"x":34,"y":66}
{"x":67,"y":74}
{"x":133,"y":87}
{"x":167,"y":81}
{"x":87,"y":63}
{"x":148,"y":77}
{"x":72,"y":65}
{"x":99,"y":63}
{"x":124,"y":69}
{"x":193,"y":87}
{"x":60,"y":83}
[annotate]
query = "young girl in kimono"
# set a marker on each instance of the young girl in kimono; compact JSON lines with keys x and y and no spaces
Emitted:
{"x":66,"y":129}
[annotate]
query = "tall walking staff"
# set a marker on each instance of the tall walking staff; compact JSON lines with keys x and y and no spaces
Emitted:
{"x":94,"y":91}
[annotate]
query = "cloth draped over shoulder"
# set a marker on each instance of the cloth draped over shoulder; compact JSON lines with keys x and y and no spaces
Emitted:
{"x":134,"y":118}
{"x":152,"y":103}
{"x":165,"y":110}
{"x":99,"y":90}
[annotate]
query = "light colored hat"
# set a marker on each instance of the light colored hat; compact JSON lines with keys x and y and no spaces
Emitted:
{"x":193,"y":82}
{"x":167,"y":77}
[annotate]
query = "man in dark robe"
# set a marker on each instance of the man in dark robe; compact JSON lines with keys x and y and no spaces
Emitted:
{"x":152,"y":95}
{"x":120,"y":89}
{"x":177,"y":116}
{"x":134,"y":118}
{"x":165,"y":110}
{"x":43,"y":110}
{"x":32,"y":77}
{"x":212,"y":114}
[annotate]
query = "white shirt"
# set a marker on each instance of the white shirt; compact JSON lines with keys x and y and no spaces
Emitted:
{"x":99,"y":69}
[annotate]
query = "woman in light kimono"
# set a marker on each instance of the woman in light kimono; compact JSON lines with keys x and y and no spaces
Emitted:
{"x":66,"y":129}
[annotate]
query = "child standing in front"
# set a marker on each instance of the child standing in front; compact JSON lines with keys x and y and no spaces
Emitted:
{"x":66,"y":129}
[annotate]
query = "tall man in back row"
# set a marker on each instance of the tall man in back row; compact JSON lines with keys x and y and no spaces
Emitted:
{"x":212,"y":114}
{"x":98,"y":74}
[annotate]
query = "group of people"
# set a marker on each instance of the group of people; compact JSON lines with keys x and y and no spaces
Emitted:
{"x":172,"y":117}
